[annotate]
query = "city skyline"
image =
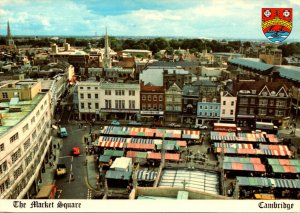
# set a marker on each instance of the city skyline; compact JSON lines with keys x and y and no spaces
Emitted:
{"x":202,"y":19}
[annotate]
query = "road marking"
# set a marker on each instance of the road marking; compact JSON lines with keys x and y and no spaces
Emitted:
{"x":89,"y":194}
{"x":59,"y":192}
{"x":67,"y":156}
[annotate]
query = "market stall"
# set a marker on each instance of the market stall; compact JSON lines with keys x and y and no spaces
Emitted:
{"x":222,"y":136}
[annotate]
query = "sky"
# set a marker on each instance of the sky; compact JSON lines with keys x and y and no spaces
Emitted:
{"x":187,"y":18}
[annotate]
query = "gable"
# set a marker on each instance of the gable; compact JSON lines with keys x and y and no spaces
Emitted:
{"x":265,"y":91}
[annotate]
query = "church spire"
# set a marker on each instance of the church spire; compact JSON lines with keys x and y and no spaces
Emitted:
{"x":106,"y":59}
{"x":9,"y":40}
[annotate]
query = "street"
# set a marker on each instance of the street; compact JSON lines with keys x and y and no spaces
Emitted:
{"x":73,"y":185}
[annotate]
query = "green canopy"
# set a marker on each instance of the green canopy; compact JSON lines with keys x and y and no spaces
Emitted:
{"x":115,"y":153}
{"x":104,"y":158}
{"x":277,"y":169}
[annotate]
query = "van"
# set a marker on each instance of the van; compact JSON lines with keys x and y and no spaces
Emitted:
{"x":47,"y":192}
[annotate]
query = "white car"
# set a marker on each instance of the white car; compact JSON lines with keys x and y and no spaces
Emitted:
{"x":199,"y":126}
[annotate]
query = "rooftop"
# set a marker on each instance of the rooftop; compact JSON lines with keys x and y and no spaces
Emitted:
{"x":11,"y":119}
{"x":289,"y":72}
{"x":251,"y":63}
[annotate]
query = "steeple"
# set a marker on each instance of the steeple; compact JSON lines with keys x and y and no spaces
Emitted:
{"x":106,"y":59}
{"x":9,"y":40}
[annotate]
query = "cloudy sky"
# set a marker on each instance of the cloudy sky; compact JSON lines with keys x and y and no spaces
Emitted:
{"x":189,"y":18}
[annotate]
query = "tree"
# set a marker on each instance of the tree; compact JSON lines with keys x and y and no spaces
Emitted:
{"x":170,"y":50}
{"x":158,"y":44}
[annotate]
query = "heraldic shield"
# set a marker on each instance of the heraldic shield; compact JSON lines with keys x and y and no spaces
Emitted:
{"x":277,"y":23}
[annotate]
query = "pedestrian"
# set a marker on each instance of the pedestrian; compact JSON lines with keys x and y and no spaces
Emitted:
{"x":58,"y":146}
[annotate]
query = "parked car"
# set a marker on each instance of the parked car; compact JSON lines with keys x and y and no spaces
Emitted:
{"x":115,"y":123}
{"x":135,"y":123}
{"x":62,"y":132}
{"x":171,"y":124}
{"x":200,"y":126}
{"x":76,"y":150}
{"x":61,"y":170}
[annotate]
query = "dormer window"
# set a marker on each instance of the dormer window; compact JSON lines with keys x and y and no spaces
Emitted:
{"x":203,"y":100}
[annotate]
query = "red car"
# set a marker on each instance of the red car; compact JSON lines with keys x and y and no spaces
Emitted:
{"x":76,"y":150}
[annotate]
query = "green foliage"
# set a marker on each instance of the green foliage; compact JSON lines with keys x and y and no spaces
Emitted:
{"x":289,"y":49}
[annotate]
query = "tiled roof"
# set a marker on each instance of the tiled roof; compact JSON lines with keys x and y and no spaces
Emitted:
{"x":251,"y":63}
{"x":259,"y":85}
{"x":190,"y":90}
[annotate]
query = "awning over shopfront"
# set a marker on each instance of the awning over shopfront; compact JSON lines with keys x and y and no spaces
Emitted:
{"x":146,"y":175}
{"x":269,"y":182}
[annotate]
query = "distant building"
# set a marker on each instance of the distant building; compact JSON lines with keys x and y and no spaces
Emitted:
{"x":173,"y":103}
{"x":262,"y":101}
{"x":208,"y":110}
{"x":273,"y":57}
{"x":136,"y":52}
{"x":9,"y":39}
{"x":152,"y":102}
{"x":190,"y":97}
{"x":108,"y":100}
{"x":227,"y":107}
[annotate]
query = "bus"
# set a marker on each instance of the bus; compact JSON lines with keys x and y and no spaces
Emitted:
{"x":268,"y":127}
{"x":47,"y":192}
{"x":226,"y":127}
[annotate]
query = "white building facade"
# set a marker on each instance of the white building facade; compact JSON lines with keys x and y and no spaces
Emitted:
{"x":107,"y":100}
{"x":228,"y":107}
{"x":24,"y":144}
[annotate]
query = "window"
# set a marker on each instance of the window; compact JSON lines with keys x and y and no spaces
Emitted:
{"x":232,"y":103}
{"x":81,"y":87}
{"x":120,"y":104}
{"x":28,"y":159}
{"x":4,"y":186}
{"x":252,"y":101}
{"x":224,"y":102}
{"x":38,"y":113}
{"x":216,"y":114}
{"x":89,"y":95}
{"x":154,"y":106}
{"x":279,"y":113}
{"x":89,"y":105}
{"x":108,"y":104}
{"x":262,"y":111}
{"x":96,"y":105}
{"x":223,"y":111}
{"x":155,"y":98}
{"x":231,"y":112}
{"x":143,"y":97}
{"x":14,"y":137}
{"x":217,"y":107}
{"x":214,"y":100}
{"x":160,"y":106}
{"x":81,"y":95}
{"x":242,"y":111}
{"x":251,"y":112}
{"x":32,"y":119}
{"x":131,"y":93}
{"x":244,"y":101}
{"x":280,"y":103}
{"x":149,"y":106}
{"x":88,"y":87}
{"x":26,"y":144}
{"x":263,"y":102}
{"x":206,"y":107}
{"x":119,"y":92}
{"x":149,"y":97}
{"x":1,"y":147}
{"x":82,"y":105}
{"x":96,"y":96}
{"x":200,"y":107}
{"x":131,"y":104}
{"x":42,"y":107}
{"x":3,"y":167}
{"x":144,"y":106}
{"x":210,"y":114}
{"x":34,"y":135}
{"x":200,"y":113}
{"x":107,"y":92}
{"x":271,"y":102}
{"x":211,"y":107}
{"x":160,"y":98}
{"x":18,"y":172}
{"x":16,"y":156}
{"x":203,"y":100}
{"x":25,"y":128}
{"x":4,"y":95}
{"x":96,"y":88}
